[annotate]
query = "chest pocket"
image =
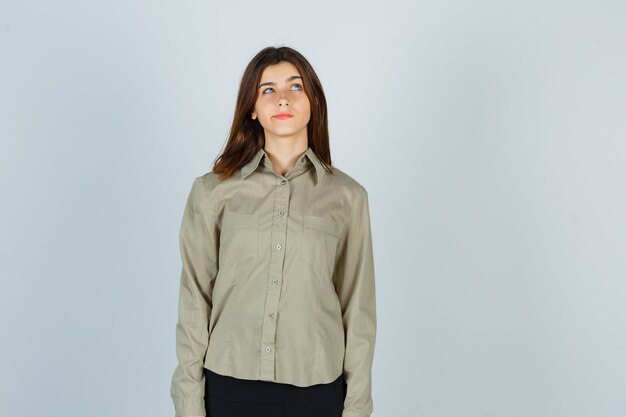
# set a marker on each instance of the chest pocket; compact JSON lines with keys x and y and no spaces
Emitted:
{"x":239,"y":238}
{"x":319,"y":243}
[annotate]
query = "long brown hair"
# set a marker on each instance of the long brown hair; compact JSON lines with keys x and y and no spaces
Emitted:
{"x":247,"y":136}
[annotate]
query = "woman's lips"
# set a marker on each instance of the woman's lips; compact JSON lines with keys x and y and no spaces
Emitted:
{"x":283,"y":115}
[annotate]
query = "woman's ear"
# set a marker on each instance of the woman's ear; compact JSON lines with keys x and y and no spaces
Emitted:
{"x":253,"y":115}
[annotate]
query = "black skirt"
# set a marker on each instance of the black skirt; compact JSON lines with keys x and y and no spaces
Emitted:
{"x":232,"y":397}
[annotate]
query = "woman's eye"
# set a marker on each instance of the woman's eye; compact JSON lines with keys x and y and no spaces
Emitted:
{"x":270,"y":88}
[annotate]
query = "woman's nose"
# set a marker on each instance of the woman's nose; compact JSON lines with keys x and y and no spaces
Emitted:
{"x":283,"y":100}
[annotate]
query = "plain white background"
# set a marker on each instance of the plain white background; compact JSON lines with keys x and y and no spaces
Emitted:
{"x":489,"y":134}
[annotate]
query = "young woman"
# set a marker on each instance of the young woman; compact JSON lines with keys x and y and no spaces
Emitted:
{"x":277,"y":305}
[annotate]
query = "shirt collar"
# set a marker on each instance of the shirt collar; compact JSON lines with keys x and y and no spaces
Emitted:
{"x":252,"y":165}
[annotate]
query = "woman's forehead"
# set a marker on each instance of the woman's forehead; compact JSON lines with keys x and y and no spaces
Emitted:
{"x":283,"y":71}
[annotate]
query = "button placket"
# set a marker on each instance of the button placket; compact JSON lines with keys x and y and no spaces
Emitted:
{"x":272,"y":298}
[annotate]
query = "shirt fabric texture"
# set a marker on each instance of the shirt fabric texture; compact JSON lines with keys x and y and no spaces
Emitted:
{"x":277,"y":282}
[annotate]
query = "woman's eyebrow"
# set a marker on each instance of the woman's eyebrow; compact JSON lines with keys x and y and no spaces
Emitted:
{"x":293,"y":77}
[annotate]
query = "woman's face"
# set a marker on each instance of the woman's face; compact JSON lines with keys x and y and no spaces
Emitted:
{"x":282,"y":90}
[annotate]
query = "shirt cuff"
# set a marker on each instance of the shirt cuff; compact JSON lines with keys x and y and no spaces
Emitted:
{"x":189,"y":407}
{"x":349,"y":413}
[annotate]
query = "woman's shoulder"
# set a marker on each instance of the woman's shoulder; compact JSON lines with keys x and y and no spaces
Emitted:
{"x":342,"y":179}
{"x":204,"y":186}
{"x":209,"y":180}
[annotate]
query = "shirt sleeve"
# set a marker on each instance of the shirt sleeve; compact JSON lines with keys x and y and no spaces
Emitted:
{"x":199,"y":254}
{"x":354,"y":283}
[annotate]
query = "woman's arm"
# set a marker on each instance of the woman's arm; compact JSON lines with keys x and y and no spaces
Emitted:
{"x":199,"y":248}
{"x":354,"y":283}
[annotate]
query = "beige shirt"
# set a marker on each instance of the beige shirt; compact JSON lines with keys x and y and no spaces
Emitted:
{"x":277,"y":282}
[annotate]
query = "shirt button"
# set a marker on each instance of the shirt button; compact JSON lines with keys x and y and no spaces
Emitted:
{"x":271,"y":315}
{"x":302,"y":160}
{"x":283,"y":182}
{"x":278,"y":246}
{"x":268,"y":349}
{"x":274,"y":281}
{"x":281,"y":213}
